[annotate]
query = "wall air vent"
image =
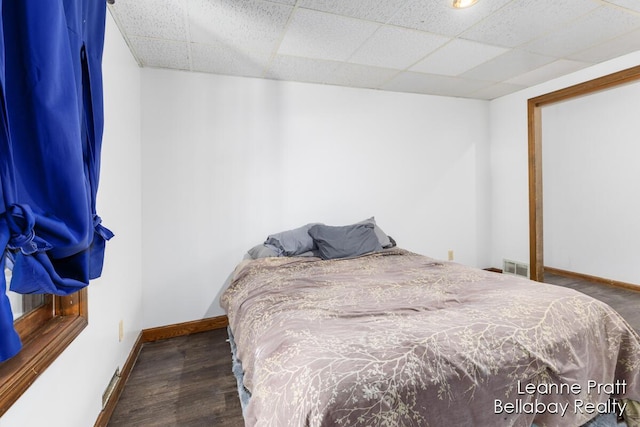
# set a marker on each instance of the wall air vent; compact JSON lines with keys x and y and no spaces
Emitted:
{"x":515,"y":268}
{"x":106,"y":395}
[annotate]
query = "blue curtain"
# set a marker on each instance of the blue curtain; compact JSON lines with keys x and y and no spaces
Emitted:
{"x":50,"y":143}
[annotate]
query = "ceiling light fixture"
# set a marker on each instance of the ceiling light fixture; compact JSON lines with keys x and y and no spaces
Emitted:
{"x":461,"y":4}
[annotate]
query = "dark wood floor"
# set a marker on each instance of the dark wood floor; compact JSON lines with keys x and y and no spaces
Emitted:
{"x":184,"y":381}
{"x":187,"y":381}
{"x":624,"y":301}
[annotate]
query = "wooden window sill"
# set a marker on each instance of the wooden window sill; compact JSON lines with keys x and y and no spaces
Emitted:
{"x":41,"y":347}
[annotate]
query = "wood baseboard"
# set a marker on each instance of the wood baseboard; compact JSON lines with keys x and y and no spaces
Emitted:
{"x":150,"y":335}
{"x":107,"y":411}
{"x":589,"y":278}
{"x":185,"y":328}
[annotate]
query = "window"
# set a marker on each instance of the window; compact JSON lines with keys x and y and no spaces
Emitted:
{"x":24,"y":307}
{"x":45,"y":332}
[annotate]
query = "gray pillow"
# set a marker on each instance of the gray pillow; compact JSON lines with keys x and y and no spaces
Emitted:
{"x":292,"y":242}
{"x":262,"y":251}
{"x":384,"y":240}
{"x":309,"y":254}
{"x":345,"y":241}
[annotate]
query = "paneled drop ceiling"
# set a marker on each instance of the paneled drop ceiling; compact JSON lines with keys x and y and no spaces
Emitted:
{"x":422,"y":46}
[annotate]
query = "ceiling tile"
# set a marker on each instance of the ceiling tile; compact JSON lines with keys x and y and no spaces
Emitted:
{"x":496,"y":91}
{"x":627,"y":4}
{"x":600,"y":25}
{"x":456,"y":57}
{"x":295,"y":68}
{"x":289,"y":2}
{"x":325,"y":36}
{"x":160,"y":53}
{"x":152,"y":18}
{"x":547,"y":72}
{"x":371,"y":10}
{"x":361,"y":76}
{"x":435,"y":85}
{"x":524,"y":20}
{"x":248,"y":25}
{"x":508,"y":65}
{"x":619,"y":46}
{"x":285,"y":67}
{"x":382,"y":49}
{"x":221,"y":59}
{"x":439,"y":16}
{"x":407,"y":81}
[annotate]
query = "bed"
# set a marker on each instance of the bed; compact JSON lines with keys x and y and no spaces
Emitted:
{"x":393,"y":338}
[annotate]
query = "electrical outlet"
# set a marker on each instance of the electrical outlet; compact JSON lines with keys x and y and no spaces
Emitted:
{"x":450,"y":255}
{"x":121,"y":330}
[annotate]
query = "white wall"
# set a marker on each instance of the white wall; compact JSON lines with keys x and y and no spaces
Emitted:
{"x":227,"y":161}
{"x":509,"y":167}
{"x":592,"y":183}
{"x":69,"y":392}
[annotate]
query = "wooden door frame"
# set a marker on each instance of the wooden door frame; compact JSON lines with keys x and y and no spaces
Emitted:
{"x":534,"y":111}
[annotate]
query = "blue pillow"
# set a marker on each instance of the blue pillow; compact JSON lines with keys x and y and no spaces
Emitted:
{"x":346,"y":241}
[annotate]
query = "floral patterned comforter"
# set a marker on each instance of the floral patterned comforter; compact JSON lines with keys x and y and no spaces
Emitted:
{"x":398,"y":339}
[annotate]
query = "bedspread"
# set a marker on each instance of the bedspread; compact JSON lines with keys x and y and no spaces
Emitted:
{"x":398,"y":339}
